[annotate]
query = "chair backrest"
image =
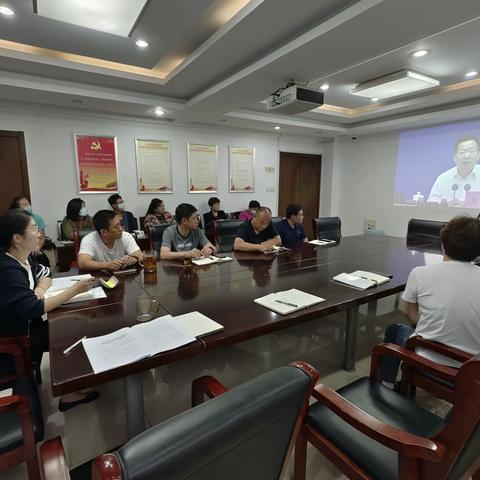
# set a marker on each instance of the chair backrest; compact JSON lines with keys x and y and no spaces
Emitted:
{"x":276,"y":221}
{"x":142,"y":223}
{"x":77,"y":239}
{"x":424,"y":230}
{"x":156,"y":235}
{"x":60,"y":230}
{"x":234,"y":215}
{"x":245,"y":433}
{"x":327,"y":227}
{"x":226,"y":231}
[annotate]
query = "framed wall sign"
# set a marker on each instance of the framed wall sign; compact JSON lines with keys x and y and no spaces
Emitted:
{"x":154,"y":166}
{"x":241,"y":169}
{"x":202,"y":168}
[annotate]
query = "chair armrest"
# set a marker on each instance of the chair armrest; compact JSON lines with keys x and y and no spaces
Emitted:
{"x":53,"y":461}
{"x":403,"y":442}
{"x":11,"y":347}
{"x":411,"y":359}
{"x":107,"y":467}
{"x":206,"y":385}
{"x":451,"y":352}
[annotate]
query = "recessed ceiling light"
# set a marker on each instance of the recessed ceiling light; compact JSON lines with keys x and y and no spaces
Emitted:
{"x":471,"y":74}
{"x":420,"y":53}
{"x":141,"y":43}
{"x":276,"y":127}
{"x":325,"y":86}
{"x":374,"y":99}
{"x":159,"y":111}
{"x":8,"y":12}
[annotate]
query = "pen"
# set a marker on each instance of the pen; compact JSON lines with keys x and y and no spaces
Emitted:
{"x":75,"y":280}
{"x":371,"y":279}
{"x":78,"y":342}
{"x":286,"y":303}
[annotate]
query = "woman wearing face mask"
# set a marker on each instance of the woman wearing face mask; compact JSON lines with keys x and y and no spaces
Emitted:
{"x":22,"y":296}
{"x":77,"y":218}
{"x":24,"y":203}
{"x":129,"y":223}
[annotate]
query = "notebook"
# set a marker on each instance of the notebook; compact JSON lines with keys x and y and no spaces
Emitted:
{"x":288,"y":301}
{"x":198,"y":324}
{"x":211,"y":259}
{"x":92,"y":294}
{"x":361,"y":279}
{"x":323,"y":241}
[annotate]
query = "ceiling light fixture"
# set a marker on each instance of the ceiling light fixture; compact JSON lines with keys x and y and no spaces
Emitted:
{"x":276,"y":127}
{"x":420,"y":53}
{"x":8,"y":12}
{"x":325,"y":87}
{"x":471,"y":74}
{"x":141,"y":44}
{"x":394,"y":84}
{"x":159,"y":111}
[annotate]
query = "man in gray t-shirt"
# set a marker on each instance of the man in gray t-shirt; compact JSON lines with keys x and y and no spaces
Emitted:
{"x":185,"y":239}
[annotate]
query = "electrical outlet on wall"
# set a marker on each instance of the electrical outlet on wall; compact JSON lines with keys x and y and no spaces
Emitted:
{"x":369,"y":225}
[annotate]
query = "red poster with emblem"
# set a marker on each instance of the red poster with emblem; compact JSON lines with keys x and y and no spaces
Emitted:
{"x":96,"y":163}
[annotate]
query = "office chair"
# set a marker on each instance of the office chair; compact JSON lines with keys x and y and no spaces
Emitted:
{"x":244,"y":433}
{"x":327,"y":227}
{"x":226,"y":232}
{"x":371,"y":432}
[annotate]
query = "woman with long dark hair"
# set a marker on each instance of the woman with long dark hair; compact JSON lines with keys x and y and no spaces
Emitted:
{"x":156,"y":214}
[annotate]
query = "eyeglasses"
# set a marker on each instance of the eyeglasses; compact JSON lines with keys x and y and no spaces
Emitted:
{"x":33,"y":228}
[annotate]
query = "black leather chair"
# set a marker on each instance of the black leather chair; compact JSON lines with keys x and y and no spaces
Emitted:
{"x":156,"y":235}
{"x":234,"y":215}
{"x":276,"y":221}
{"x":420,"y":230}
{"x":142,"y":223}
{"x":327,"y":227}
{"x":245,"y":433}
{"x":21,"y":419}
{"x":226,"y":231}
{"x":371,"y":432}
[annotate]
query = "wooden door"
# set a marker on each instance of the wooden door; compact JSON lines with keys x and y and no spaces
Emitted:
{"x":13,"y":168}
{"x":300,"y":183}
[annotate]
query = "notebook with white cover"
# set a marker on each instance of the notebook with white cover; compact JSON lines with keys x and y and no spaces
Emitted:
{"x":198,"y":324}
{"x":92,"y":294}
{"x":322,"y":242}
{"x":288,"y":301}
{"x":360,"y":279}
{"x":376,"y":277}
{"x":62,"y":283}
{"x":211,"y":259}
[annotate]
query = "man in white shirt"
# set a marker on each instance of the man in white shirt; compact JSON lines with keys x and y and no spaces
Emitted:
{"x":109,"y":247}
{"x":452,"y":186}
{"x":442,"y":301}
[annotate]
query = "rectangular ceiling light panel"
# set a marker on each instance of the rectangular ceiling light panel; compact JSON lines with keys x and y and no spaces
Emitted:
{"x":394,"y":84}
{"x":111,"y":16}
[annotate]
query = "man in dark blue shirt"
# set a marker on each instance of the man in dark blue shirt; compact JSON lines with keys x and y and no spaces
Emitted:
{"x":291,"y":229}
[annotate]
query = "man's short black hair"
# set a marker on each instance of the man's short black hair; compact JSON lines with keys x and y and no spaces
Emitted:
{"x":184,"y":210}
{"x":212,"y":201}
{"x":102,"y":219}
{"x":293,"y":209}
{"x":467,"y":138}
{"x":254,"y":204}
{"x":112,"y":199}
{"x":461,"y":238}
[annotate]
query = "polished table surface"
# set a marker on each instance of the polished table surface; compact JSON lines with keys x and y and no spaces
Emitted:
{"x":225,"y":293}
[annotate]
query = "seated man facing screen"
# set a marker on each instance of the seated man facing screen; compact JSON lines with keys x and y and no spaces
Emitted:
{"x":185,"y":239}
{"x":109,"y":247}
{"x":441,"y":301}
{"x":258,"y":234}
{"x":291,"y":229}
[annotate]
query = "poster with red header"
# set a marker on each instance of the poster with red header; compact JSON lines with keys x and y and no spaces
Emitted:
{"x":96,"y":163}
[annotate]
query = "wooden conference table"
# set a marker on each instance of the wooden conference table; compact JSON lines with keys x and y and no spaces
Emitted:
{"x":225,"y":293}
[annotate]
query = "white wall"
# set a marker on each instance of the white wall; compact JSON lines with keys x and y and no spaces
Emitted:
{"x":51,"y":161}
{"x":363,"y":187}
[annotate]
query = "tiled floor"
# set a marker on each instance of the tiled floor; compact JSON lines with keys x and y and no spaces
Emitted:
{"x":90,"y":430}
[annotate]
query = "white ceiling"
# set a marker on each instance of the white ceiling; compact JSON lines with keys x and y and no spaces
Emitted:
{"x":203,"y":65}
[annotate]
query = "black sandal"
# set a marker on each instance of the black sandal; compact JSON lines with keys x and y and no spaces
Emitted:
{"x":89,"y":397}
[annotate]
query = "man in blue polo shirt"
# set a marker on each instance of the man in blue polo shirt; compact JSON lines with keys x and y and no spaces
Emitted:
{"x":291,"y":229}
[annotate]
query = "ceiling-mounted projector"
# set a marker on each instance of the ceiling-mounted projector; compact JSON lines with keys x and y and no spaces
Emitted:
{"x":294,"y":99}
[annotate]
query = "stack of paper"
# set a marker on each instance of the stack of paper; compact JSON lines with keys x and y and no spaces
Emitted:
{"x":288,"y":301}
{"x":211,"y":259}
{"x":131,"y":344}
{"x":323,"y":241}
{"x":61,"y":284}
{"x":198,"y":324}
{"x":361,"y":279}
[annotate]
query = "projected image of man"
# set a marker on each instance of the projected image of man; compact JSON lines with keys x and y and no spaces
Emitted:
{"x":452,"y":186}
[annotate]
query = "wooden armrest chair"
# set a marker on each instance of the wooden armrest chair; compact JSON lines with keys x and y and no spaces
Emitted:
{"x":412,"y":378}
{"x":244,"y":433}
{"x":21,"y":419}
{"x":371,"y":432}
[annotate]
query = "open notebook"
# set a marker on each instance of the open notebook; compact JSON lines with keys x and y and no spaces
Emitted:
{"x":212,"y":259}
{"x":323,"y":241}
{"x":60,"y":284}
{"x":361,"y":279}
{"x":288,"y":301}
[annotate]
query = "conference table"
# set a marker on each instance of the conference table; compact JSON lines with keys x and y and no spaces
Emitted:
{"x":225,"y":293}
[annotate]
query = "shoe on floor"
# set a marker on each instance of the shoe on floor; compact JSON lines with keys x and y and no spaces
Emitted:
{"x":89,"y":397}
